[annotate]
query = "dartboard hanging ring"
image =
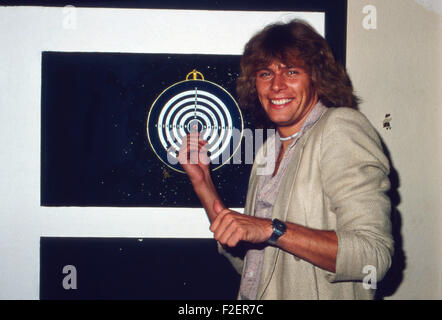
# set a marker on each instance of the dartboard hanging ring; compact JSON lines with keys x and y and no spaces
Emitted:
{"x":190,"y":105}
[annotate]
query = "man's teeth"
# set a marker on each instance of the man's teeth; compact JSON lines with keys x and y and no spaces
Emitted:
{"x":280,"y":101}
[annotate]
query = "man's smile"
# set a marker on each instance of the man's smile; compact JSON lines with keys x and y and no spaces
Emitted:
{"x":280,"y":103}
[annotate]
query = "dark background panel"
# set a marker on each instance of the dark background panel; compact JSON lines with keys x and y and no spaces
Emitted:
{"x":125,"y":268}
{"x":94,"y":146}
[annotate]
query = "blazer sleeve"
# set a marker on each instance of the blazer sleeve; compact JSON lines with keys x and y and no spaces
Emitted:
{"x":354,"y":173}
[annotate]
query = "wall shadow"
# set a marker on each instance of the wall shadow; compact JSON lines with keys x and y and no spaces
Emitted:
{"x":393,"y":279}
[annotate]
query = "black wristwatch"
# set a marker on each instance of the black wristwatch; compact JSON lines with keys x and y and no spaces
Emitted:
{"x":279,"y":228}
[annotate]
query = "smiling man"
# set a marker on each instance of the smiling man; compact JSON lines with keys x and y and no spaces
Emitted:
{"x":314,"y":223}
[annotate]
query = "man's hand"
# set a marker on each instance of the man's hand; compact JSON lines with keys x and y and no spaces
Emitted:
{"x":193,"y":158}
{"x":230,"y":227}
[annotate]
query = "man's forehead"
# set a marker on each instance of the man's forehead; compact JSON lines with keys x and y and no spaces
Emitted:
{"x":281,"y":64}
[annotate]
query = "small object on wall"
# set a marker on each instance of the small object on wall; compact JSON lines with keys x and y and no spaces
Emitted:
{"x":386,"y":122}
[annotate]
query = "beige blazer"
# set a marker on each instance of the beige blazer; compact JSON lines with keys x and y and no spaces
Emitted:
{"x":336,"y":180}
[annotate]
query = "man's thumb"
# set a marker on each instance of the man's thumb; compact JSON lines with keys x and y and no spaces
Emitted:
{"x":217,"y":206}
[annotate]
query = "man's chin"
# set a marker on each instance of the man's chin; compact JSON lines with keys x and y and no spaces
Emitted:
{"x":281,"y":122}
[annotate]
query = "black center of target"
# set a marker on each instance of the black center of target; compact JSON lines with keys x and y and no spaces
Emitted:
{"x":194,"y":106}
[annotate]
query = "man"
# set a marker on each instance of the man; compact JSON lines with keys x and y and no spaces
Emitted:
{"x":319,"y":220}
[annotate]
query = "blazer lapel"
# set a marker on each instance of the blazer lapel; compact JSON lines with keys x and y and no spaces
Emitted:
{"x":252,"y":191}
{"x":282,"y":203}
{"x":280,"y":212}
{"x":281,"y":207}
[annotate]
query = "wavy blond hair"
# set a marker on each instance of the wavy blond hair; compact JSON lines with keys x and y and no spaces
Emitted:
{"x":285,"y":42}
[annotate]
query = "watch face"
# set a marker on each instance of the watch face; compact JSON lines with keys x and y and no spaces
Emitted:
{"x":195,"y":106}
{"x":279,"y":226}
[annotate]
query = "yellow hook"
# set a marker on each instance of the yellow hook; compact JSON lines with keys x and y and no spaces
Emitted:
{"x":194,"y":74}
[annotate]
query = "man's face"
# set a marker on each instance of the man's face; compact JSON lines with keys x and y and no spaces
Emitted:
{"x":285,"y":93}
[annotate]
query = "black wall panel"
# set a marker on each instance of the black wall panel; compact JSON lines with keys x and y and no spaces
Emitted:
{"x":126,"y":268}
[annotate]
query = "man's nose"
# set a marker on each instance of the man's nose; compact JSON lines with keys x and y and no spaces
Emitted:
{"x":278,"y":82}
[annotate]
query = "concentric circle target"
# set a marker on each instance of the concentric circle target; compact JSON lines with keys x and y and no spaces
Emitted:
{"x":195,"y":105}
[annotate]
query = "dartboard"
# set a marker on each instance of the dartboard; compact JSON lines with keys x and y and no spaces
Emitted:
{"x":195,"y":105}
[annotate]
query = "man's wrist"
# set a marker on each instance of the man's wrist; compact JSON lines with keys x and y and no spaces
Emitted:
{"x":204,"y":185}
{"x":269,"y":229}
{"x":279,"y":228}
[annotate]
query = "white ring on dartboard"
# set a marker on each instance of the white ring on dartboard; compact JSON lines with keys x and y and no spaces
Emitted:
{"x":195,"y":110}
{"x":170,"y":107}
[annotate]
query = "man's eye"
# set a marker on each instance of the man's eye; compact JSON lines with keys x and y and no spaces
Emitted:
{"x":292,"y":72}
{"x":263,"y":74}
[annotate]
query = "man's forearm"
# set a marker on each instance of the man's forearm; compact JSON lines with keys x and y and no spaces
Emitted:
{"x":207,"y":194}
{"x":318,"y":247}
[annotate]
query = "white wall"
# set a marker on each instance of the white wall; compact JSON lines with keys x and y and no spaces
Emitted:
{"x":27,"y":31}
{"x":396,"y":69}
